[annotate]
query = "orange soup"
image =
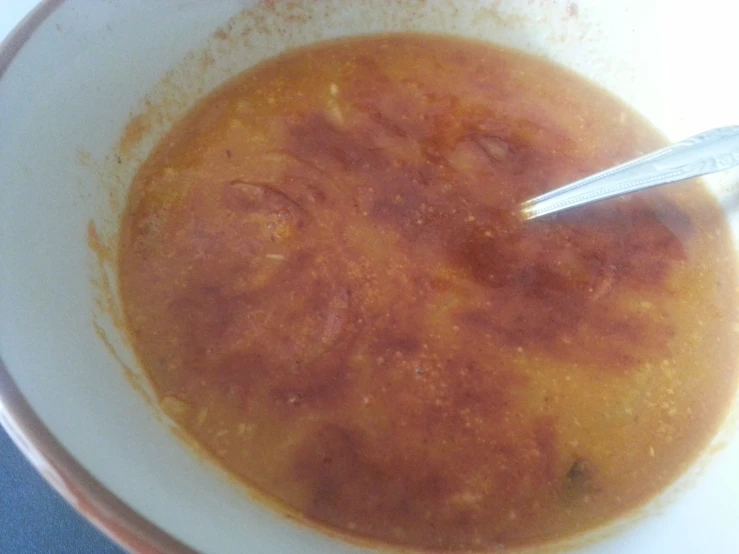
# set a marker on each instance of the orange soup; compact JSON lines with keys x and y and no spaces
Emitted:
{"x":325,"y":278}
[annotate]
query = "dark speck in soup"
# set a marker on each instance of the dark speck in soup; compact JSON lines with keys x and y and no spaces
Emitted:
{"x":325,"y":279}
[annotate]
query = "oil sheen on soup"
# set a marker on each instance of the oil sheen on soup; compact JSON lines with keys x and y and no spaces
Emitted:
{"x":324,"y":277}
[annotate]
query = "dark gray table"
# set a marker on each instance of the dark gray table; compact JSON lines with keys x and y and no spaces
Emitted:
{"x":34,"y":519}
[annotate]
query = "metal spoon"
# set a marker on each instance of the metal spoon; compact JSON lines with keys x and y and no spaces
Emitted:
{"x":710,"y":152}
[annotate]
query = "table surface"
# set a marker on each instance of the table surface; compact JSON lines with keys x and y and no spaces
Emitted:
{"x":34,"y":519}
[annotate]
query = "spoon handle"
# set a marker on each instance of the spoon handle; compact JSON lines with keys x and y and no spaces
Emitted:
{"x":709,"y":152}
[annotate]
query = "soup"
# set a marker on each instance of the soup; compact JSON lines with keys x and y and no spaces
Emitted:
{"x":325,"y":277}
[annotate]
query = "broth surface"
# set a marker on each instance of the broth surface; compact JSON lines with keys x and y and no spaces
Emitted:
{"x":323,"y":278}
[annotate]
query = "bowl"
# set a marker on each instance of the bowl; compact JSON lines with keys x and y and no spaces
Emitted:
{"x":87,"y":88}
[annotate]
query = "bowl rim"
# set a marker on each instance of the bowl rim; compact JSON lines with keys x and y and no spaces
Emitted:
{"x":47,"y":455}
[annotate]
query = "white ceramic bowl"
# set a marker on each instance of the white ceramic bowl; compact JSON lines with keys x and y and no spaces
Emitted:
{"x":74,"y":74}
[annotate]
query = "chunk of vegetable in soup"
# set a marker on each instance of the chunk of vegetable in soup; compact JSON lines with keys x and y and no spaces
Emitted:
{"x":324,"y":279}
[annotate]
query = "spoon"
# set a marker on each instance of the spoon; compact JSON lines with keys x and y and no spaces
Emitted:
{"x":710,"y":152}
